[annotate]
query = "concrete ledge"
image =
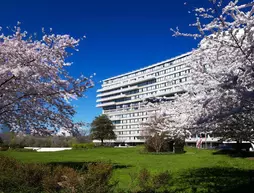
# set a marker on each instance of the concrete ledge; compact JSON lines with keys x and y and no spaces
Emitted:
{"x":48,"y":149}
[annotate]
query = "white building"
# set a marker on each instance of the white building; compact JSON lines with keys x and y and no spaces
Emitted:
{"x":123,"y":97}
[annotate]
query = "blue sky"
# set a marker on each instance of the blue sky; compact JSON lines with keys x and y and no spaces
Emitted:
{"x":122,"y":35}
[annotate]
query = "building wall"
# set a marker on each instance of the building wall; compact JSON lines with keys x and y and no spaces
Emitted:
{"x":123,"y":97}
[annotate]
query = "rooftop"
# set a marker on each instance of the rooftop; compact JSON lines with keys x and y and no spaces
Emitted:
{"x":157,"y":64}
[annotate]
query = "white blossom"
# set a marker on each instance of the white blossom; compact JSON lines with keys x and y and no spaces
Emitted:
{"x":34,"y":83}
{"x":222,"y":70}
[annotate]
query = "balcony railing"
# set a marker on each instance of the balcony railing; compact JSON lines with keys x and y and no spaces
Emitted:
{"x":117,"y":91}
{"x":105,"y":104}
{"x":120,"y":110}
{"x":111,"y":98}
{"x":150,"y":77}
{"x":208,"y":139}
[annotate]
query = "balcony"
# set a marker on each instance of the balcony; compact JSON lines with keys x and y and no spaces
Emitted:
{"x":115,"y":118}
{"x":208,"y":139}
{"x":117,"y":91}
{"x":128,"y":101}
{"x":111,"y":98}
{"x":132,"y":123}
{"x":137,"y":80}
{"x":106,"y":104}
{"x":131,"y":109}
{"x":129,"y":135}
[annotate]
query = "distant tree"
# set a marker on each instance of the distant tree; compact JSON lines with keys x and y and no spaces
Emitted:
{"x":102,"y":128}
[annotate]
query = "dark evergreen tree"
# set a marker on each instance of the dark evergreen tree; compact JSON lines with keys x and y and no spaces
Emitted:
{"x":102,"y":128}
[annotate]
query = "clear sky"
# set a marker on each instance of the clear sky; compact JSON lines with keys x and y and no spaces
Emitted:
{"x":122,"y":35}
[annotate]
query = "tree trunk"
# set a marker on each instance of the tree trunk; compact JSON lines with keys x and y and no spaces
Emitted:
{"x":238,"y":146}
{"x":102,"y":144}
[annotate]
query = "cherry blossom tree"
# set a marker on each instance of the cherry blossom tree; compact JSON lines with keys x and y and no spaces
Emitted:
{"x":165,"y":125}
{"x":237,"y":127}
{"x":220,"y":92}
{"x":35,"y":87}
{"x":222,"y":67}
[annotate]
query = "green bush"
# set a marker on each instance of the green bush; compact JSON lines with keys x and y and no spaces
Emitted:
{"x":179,"y":146}
{"x":16,"y":146}
{"x":21,"y":150}
{"x":61,"y":178}
{"x":175,"y":146}
{"x":97,"y":179}
{"x":161,"y":181}
{"x":19,"y":177}
{"x":144,"y":180}
{"x":165,"y":145}
{"x":83,"y":146}
{"x":4,"y":148}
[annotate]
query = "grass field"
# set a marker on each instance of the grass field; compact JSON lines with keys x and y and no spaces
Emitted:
{"x":193,"y":168}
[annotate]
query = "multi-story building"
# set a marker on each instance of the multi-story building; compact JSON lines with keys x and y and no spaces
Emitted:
{"x":123,"y":97}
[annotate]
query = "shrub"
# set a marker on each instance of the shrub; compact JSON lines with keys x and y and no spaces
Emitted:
{"x":61,"y":178}
{"x":179,"y":146}
{"x":161,"y":181}
{"x":145,"y":182}
{"x":21,"y":150}
{"x":28,"y":178}
{"x":97,"y":179}
{"x":83,"y":146}
{"x":16,"y":146}
{"x":19,"y":177}
{"x":4,"y":148}
{"x":62,"y":141}
{"x":6,"y":137}
{"x":83,"y":139}
{"x":157,"y":143}
{"x":33,"y":175}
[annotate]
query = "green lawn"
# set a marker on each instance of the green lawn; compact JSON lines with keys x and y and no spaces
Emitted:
{"x":204,"y":164}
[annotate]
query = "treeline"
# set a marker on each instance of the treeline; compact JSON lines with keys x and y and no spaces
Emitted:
{"x":13,"y":140}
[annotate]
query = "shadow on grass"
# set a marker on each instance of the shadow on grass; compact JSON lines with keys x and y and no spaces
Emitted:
{"x":234,"y":153}
{"x":161,"y":153}
{"x":82,"y":166}
{"x":216,"y":180}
